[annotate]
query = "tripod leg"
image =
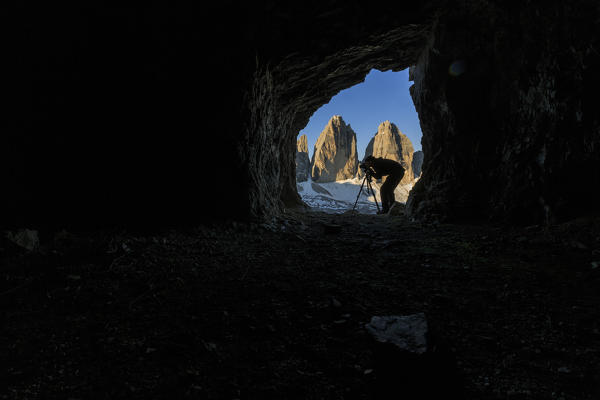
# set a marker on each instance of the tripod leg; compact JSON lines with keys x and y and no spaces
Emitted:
{"x":374,"y":196}
{"x":361,"y":188}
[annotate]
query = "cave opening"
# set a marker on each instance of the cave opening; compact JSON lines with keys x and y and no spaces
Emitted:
{"x":239,"y":296}
{"x":375,"y":117}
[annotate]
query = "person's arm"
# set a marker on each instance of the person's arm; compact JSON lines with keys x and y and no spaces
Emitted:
{"x":375,"y":174}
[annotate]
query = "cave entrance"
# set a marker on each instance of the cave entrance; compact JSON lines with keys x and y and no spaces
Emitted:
{"x":376,"y":117}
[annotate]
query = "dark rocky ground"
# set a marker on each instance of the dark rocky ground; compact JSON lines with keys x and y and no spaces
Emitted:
{"x":278,"y":310}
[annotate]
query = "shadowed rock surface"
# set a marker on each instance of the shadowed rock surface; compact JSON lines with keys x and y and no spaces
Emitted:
{"x":319,"y":189}
{"x":335,"y":156}
{"x":502,"y":134}
{"x":302,"y":160}
{"x":505,"y":94}
{"x":417,"y":163}
{"x":392,"y":144}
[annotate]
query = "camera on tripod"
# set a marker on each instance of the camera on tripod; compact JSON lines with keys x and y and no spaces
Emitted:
{"x":368,"y":178}
{"x":366,"y":169}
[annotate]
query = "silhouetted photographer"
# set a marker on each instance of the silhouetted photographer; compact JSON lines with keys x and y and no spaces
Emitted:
{"x":379,"y":167}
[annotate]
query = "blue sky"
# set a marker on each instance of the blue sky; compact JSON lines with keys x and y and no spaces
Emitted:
{"x":382,"y":96}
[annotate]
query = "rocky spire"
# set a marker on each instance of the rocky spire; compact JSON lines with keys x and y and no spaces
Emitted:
{"x":335,"y":157}
{"x":302,"y":160}
{"x":392,"y":144}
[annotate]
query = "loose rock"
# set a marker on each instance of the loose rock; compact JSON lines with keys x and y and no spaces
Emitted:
{"x":407,"y":332}
{"x":26,"y":238}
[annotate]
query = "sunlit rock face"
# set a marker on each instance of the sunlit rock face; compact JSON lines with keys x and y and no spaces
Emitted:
{"x":335,"y":157}
{"x":302,"y":160}
{"x":392,"y":144}
{"x":506,"y":98}
{"x":302,"y":144}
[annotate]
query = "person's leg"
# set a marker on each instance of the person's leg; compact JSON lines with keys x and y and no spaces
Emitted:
{"x":393,"y":183}
{"x":393,"y":186}
{"x":385,"y":196}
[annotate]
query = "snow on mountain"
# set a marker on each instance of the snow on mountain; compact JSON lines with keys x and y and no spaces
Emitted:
{"x":343,"y":194}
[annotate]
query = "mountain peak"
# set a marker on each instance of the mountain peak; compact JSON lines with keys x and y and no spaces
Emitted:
{"x":388,"y":142}
{"x":388,"y":126}
{"x":335,"y":156}
{"x":337,"y":120}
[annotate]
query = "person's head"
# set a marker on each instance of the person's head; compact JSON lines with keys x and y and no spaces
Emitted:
{"x":368,"y":161}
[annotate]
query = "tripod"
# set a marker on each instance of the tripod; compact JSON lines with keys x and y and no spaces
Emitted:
{"x":367,"y":179}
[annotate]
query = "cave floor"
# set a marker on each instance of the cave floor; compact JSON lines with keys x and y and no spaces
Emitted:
{"x":278,"y":310}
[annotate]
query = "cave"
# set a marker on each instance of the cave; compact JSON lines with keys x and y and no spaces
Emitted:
{"x":122,"y":101}
{"x":161,"y":132}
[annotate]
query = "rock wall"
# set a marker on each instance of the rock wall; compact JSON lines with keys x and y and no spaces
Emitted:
{"x":267,"y":151}
{"x":417,"y":163}
{"x":505,"y":98}
{"x":392,"y":144}
{"x":335,"y":157}
{"x":302,"y":160}
{"x":106,"y":120}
